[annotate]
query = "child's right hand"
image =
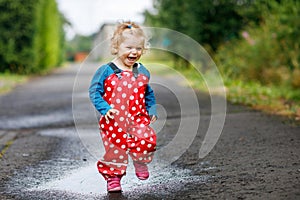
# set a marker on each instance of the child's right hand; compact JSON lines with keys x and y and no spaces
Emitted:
{"x":110,"y":114}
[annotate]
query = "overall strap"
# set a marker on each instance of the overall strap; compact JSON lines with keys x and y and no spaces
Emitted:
{"x":135,"y":70}
{"x":117,"y":71}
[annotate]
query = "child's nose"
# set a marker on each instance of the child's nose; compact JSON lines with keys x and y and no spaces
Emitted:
{"x":134,"y":50}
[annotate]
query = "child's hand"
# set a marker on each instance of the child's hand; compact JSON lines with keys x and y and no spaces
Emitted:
{"x":153,"y":118}
{"x":110,"y":114}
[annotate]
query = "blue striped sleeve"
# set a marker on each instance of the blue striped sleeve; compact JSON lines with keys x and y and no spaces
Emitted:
{"x":96,"y":89}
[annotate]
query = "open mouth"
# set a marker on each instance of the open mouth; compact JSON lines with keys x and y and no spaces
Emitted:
{"x":131,"y":59}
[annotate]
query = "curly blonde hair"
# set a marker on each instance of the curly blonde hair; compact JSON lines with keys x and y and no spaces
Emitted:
{"x":127,"y":27}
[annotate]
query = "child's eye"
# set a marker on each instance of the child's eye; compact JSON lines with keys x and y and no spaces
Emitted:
{"x":129,"y":47}
{"x":139,"y":49}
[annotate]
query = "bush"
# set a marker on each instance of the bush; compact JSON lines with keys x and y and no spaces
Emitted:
{"x":31,"y":39}
{"x":268,"y":53}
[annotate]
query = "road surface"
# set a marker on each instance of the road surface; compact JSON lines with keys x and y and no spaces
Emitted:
{"x":46,"y":155}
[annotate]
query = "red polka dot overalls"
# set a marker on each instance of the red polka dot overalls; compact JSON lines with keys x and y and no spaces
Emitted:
{"x":129,"y":132}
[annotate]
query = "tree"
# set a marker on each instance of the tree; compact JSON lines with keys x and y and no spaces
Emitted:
{"x":208,"y":22}
{"x":31,"y":37}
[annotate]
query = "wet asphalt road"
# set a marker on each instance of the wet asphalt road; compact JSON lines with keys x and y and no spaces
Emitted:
{"x":46,"y":155}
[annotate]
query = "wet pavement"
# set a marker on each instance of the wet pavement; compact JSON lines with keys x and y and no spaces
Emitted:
{"x":45,"y":154}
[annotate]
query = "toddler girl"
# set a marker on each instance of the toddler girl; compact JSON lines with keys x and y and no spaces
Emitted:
{"x":120,"y":91}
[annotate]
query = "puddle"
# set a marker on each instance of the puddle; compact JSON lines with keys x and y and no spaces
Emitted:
{"x":87,"y":181}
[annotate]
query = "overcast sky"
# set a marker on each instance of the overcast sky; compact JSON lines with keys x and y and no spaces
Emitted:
{"x":87,"y":16}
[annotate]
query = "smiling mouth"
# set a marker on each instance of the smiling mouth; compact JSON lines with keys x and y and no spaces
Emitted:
{"x":131,"y":58}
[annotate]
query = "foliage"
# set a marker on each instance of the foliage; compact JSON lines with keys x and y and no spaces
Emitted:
{"x":208,"y":22}
{"x":16,"y":35}
{"x":268,"y":53}
{"x":32,"y":37}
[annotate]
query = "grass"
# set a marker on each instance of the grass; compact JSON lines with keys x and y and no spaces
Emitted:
{"x":279,"y":100}
{"x":9,"y":81}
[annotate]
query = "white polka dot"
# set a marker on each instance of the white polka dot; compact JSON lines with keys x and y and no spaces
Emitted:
{"x":142,"y":95}
{"x":125,"y":135}
{"x":119,"y":130}
{"x":137,"y":102}
{"x":122,"y":107}
{"x":113,"y":82}
{"x":143,"y":142}
{"x":121,"y":157}
{"x":146,"y":135}
{"x":140,"y":158}
{"x":144,"y":78}
{"x":119,"y":89}
{"x":135,"y":90}
{"x":123,"y":171}
{"x":145,"y":152}
{"x":133,"y":108}
{"x":142,"y":125}
{"x":124,"y":95}
{"x":112,"y":105}
{"x":138,"y":149}
{"x":118,"y":141}
{"x":100,"y":165}
{"x":114,"y":160}
{"x":141,"y":84}
{"x":139,"y":131}
{"x":133,"y":144}
{"x":132,"y":78}
{"x":113,"y":135}
{"x":111,"y":128}
{"x":131,"y":97}
{"x":134,"y":154}
{"x":105,"y":172}
{"x":149,"y":145}
{"x":102,"y":125}
{"x":129,"y":86}
{"x":151,"y":139}
{"x":105,"y":143}
{"x":111,"y":145}
{"x":116,"y":124}
{"x":118,"y":101}
{"x":138,"y":120}
{"x":111,"y":169}
{"x":125,"y":83}
{"x":113,"y":95}
{"x":123,"y":146}
{"x":108,"y":88}
{"x":121,"y":119}
{"x":116,"y":151}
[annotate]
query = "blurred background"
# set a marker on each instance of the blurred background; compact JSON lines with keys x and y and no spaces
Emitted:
{"x":254,"y":43}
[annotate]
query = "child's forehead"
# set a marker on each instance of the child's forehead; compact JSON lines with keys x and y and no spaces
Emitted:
{"x":133,"y":39}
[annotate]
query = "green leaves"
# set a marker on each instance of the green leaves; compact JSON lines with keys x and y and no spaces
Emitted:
{"x":31,"y":36}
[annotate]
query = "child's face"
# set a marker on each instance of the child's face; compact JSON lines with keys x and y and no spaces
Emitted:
{"x":130,"y":50}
